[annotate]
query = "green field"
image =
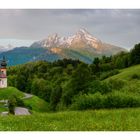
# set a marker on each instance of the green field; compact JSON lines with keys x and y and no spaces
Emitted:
{"x":91,"y":120}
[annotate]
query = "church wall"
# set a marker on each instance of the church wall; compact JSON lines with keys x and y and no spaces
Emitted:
{"x":3,"y":82}
{"x":3,"y":70}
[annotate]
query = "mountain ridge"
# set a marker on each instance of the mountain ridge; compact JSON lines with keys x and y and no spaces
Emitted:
{"x":80,"y":37}
{"x":82,"y":45}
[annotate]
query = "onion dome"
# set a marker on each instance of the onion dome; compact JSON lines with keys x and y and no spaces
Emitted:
{"x":3,"y":63}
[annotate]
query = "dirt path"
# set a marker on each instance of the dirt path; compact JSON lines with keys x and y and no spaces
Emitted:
{"x":27,"y":96}
{"x":21,"y":111}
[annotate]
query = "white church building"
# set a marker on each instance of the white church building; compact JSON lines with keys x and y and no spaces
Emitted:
{"x":3,"y":74}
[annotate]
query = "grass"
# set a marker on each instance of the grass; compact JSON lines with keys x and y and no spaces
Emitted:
{"x":132,"y":85}
{"x":91,"y":120}
{"x":36,"y":104}
{"x":5,"y":93}
{"x":3,"y":109}
{"x":126,"y":74}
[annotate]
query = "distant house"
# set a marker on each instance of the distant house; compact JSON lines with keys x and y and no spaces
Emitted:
{"x":3,"y":75}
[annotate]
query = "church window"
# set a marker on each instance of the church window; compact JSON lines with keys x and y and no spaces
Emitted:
{"x":2,"y":82}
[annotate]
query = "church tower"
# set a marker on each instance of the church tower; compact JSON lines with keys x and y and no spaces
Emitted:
{"x":3,"y":74}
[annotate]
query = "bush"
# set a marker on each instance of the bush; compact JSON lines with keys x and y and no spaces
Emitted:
{"x":135,"y":76}
{"x":105,"y":75}
{"x":12,"y":103}
{"x":94,"y":86}
{"x":19,"y":102}
{"x":98,"y":86}
{"x":121,"y":100}
{"x":89,"y":101}
{"x":116,"y":84}
{"x":105,"y":88}
{"x":111,"y":100}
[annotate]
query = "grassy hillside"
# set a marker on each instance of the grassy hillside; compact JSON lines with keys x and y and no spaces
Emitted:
{"x":5,"y":93}
{"x":109,"y":120}
{"x":131,"y":78}
{"x":127,"y":73}
{"x":34,"y":103}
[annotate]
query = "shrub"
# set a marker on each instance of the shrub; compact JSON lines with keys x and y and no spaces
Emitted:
{"x":121,"y":100}
{"x":116,"y":84}
{"x":19,"y":102}
{"x":12,"y":104}
{"x":112,"y":100}
{"x":105,"y":75}
{"x":98,"y":86}
{"x":135,"y":76}
{"x":105,"y":88}
{"x":89,"y":101}
{"x":94,"y":86}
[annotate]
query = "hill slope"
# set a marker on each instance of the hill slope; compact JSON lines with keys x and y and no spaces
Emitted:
{"x":130,"y":77}
{"x":127,"y":73}
{"x":5,"y":93}
{"x":34,"y":103}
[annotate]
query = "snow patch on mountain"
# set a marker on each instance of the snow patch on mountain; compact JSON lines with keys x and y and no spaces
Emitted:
{"x":81,"y":35}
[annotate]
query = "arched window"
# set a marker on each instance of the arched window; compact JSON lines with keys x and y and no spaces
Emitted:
{"x":2,"y":82}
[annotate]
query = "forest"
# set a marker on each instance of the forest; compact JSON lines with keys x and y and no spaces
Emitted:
{"x":74,"y":85}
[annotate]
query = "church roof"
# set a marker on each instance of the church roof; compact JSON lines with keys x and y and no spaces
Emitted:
{"x":3,"y":63}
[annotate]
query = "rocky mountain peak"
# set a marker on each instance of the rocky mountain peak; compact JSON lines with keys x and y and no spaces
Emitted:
{"x":82,"y":38}
{"x":82,"y":31}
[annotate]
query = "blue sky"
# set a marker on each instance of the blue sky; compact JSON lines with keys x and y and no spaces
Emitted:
{"x":118,"y":27}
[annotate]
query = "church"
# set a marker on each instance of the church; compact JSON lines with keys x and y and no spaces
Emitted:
{"x":3,"y":75}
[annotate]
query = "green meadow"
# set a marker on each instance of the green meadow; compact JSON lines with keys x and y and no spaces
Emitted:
{"x":90,"y":120}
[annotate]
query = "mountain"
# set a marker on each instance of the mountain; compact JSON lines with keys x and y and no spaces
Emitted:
{"x":6,"y":48}
{"x":26,"y":54}
{"x":82,"y":46}
{"x":10,"y":43}
{"x":82,"y":39}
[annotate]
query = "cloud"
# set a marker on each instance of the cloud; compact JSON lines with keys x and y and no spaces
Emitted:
{"x":119,"y":27}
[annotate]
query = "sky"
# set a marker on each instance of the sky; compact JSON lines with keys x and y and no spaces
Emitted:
{"x":22,"y":27}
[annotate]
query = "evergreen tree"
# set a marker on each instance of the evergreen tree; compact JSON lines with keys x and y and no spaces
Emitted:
{"x":135,"y":54}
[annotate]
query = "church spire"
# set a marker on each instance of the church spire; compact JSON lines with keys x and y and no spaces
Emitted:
{"x":3,"y":62}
